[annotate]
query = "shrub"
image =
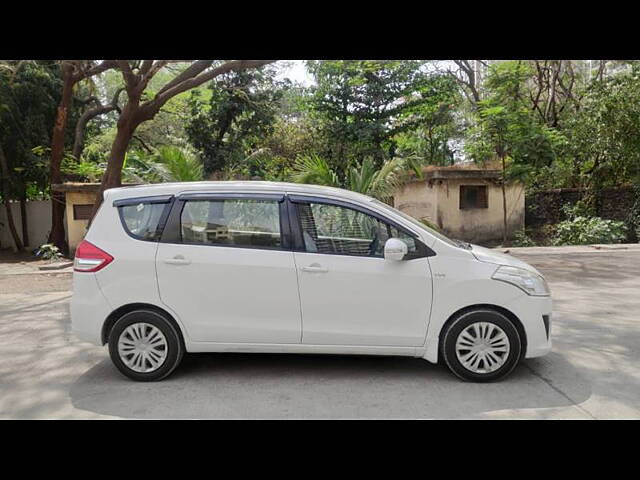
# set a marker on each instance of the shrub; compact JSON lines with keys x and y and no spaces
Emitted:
{"x":521,"y":239}
{"x":633,"y":218}
{"x":49,"y":251}
{"x":581,"y":230}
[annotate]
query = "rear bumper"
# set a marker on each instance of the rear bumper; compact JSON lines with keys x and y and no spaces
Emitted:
{"x":89,"y":308}
{"x":530,"y":310}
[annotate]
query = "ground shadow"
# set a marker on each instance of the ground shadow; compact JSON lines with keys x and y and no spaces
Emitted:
{"x":320,"y":386}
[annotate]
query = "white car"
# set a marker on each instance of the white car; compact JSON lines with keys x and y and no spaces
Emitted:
{"x":274,"y":267}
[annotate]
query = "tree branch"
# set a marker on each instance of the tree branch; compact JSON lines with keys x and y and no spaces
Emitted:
{"x":150,"y":108}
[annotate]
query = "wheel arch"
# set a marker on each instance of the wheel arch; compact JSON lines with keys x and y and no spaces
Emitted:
{"x":486,"y":306}
{"x":114,"y":316}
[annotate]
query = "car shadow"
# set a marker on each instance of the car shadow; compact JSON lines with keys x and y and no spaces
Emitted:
{"x":234,"y":385}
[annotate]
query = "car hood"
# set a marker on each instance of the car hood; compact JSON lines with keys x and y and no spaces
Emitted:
{"x":491,"y":256}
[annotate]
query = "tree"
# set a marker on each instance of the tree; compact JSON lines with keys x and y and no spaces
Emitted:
{"x":430,"y":142}
{"x":29,"y":92}
{"x":239,"y":113}
{"x":140,"y":108}
{"x":603,"y":137}
{"x":73,"y":72}
{"x":367,"y":179}
{"x":88,"y":115}
{"x":507,"y":131}
{"x":362,"y":105}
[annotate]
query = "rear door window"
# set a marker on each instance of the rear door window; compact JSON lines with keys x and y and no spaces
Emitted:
{"x":248,"y":223}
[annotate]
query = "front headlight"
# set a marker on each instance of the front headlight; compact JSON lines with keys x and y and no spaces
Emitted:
{"x":529,"y":282}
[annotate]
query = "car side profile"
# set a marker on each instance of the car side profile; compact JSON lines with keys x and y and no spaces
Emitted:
{"x":274,"y":267}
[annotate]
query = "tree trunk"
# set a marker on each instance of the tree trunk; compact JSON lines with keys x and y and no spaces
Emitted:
{"x":4,"y":176}
{"x":113,"y":174}
{"x":57,"y":153}
{"x":504,"y":204}
{"x":23,"y":218}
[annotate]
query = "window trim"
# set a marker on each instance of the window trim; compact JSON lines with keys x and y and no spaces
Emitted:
{"x":125,"y":202}
{"x":480,"y":205}
{"x":172,"y":232}
{"x":168,"y":200}
{"x":422,"y":250}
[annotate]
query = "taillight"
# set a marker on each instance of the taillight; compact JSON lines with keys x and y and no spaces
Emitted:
{"x":90,"y":258}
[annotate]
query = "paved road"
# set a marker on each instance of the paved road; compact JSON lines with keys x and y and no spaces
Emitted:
{"x":592,"y":372}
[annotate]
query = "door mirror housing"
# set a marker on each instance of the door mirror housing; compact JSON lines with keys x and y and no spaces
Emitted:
{"x":395,"y":249}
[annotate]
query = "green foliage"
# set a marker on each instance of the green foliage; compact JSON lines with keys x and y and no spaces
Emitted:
{"x":83,"y":170}
{"x":361,"y":106}
{"x":603,"y":134}
{"x":240,"y":111}
{"x":377,"y":182}
{"x":507,"y":130}
{"x":521,"y":239}
{"x":49,"y":251}
{"x":166,"y":164}
{"x":583,"y":230}
{"x":316,"y":170}
{"x":633,"y":218}
{"x":29,"y":94}
{"x":181,"y":165}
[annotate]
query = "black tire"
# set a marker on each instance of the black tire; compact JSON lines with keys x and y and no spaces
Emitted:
{"x":458,"y":324}
{"x":175,"y":347}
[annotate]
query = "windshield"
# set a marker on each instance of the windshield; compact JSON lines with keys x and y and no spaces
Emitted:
{"x":418,"y":223}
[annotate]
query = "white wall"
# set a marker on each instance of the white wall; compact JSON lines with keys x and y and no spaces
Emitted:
{"x":38,"y":223}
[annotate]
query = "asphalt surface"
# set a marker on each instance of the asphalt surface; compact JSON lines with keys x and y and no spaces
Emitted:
{"x":592,"y":372}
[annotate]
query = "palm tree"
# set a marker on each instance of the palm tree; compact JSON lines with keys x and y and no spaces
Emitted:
{"x":314,"y":169}
{"x":167,"y":164}
{"x":379,"y":183}
{"x":183,"y":166}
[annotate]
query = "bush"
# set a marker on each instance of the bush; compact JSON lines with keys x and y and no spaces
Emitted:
{"x":633,"y":218}
{"x":581,"y":230}
{"x":48,"y":251}
{"x":521,"y":239}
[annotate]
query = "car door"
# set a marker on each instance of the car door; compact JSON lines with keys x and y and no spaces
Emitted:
{"x":225,"y":266}
{"x":349,"y":294}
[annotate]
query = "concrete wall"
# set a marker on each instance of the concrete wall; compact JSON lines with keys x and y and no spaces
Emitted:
{"x":545,"y":207}
{"x":38,"y":223}
{"x":76,"y":229}
{"x":438,"y":201}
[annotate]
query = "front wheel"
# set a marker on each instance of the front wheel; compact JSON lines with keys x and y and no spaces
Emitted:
{"x":145,"y":346}
{"x":481,"y":346}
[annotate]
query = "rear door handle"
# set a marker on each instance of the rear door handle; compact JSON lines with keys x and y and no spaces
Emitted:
{"x":314,"y":268}
{"x":177,"y":260}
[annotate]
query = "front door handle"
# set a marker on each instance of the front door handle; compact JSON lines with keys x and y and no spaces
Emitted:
{"x":314,"y":268}
{"x":177,"y":260}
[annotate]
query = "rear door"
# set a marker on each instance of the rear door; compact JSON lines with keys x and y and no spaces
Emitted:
{"x":225,"y":266}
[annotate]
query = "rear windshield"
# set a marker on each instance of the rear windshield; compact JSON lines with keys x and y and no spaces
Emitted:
{"x":142,"y":220}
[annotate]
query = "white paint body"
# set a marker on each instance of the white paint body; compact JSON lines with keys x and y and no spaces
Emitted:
{"x":252,"y":300}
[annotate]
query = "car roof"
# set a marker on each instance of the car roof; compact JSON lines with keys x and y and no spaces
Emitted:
{"x":230,"y":186}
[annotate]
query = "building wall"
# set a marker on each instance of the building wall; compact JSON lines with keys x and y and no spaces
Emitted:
{"x":438,"y":201}
{"x":76,"y":229}
{"x":38,"y":223}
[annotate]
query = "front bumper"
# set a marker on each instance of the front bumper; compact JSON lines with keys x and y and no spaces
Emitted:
{"x":531,"y":312}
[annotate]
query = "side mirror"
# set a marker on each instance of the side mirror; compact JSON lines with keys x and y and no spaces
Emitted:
{"x":395,"y":249}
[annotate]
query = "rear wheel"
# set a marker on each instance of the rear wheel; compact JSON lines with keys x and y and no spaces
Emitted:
{"x":145,"y":346}
{"x":481,"y":346}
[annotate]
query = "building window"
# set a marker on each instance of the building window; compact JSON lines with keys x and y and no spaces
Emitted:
{"x":473,"y":196}
{"x":82,"y":212}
